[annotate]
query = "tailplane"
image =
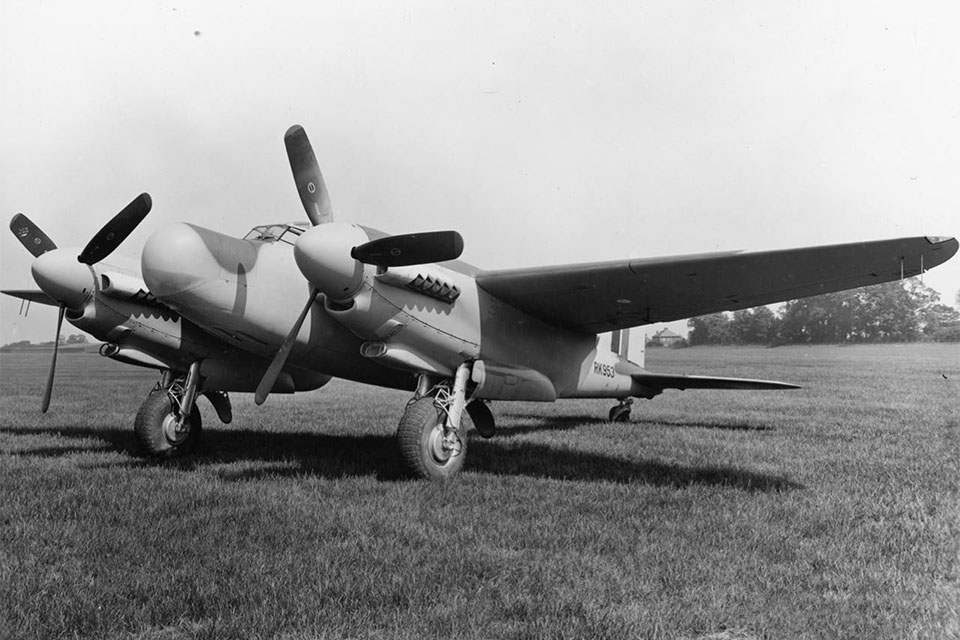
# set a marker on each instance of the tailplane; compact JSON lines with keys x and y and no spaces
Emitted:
{"x":629,"y":344}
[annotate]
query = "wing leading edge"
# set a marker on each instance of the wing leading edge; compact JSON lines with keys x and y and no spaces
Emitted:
{"x":603,"y":296}
{"x":31,"y":295}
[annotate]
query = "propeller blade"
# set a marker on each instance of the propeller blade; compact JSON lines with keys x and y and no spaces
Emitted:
{"x":116,"y":231}
{"x":410,"y":248}
{"x":53,"y":362}
{"x":307,"y":176}
{"x":30,"y":235}
{"x":273,"y":371}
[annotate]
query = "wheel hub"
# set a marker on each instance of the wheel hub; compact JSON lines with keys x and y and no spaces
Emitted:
{"x":443,"y":445}
{"x":174,"y":429}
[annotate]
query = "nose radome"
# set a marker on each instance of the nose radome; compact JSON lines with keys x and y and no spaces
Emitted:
{"x":177,"y":258}
{"x":63,"y":278}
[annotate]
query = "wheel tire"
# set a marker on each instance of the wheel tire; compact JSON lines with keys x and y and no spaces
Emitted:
{"x":619,"y":414}
{"x":154,"y":427}
{"x":420,"y":435}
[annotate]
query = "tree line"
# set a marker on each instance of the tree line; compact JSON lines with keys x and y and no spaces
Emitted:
{"x":73,"y":339}
{"x":905,"y":311}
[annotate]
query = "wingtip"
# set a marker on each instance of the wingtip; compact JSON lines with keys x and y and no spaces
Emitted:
{"x":945,"y":247}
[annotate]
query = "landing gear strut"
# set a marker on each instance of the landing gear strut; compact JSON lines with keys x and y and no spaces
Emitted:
{"x":168,"y":424}
{"x":621,"y":412}
{"x":432,"y":439}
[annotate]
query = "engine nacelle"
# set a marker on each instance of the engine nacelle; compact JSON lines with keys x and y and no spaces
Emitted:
{"x":323,"y":255}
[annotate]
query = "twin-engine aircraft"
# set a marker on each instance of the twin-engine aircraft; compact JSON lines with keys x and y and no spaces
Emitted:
{"x":290,"y":306}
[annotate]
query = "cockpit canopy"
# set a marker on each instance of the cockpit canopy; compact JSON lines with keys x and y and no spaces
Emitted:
{"x":287,"y":233}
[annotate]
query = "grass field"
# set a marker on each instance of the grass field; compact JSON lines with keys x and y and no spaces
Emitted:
{"x":826,"y":512}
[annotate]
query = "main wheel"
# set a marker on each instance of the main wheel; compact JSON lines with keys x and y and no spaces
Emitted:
{"x":620,"y":413}
{"x":158,"y":431}
{"x":425,"y":451}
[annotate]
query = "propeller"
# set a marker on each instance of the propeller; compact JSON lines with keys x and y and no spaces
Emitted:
{"x":316,"y":202}
{"x":307,"y":176}
{"x":328,"y":255}
{"x":116,"y":231}
{"x":410,"y":248}
{"x":48,"y":391}
{"x":31,"y":236}
{"x":276,"y":365}
{"x":59,"y":278}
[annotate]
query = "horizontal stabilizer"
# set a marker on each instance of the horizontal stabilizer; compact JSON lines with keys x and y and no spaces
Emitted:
{"x":33,"y":295}
{"x":672,"y":381}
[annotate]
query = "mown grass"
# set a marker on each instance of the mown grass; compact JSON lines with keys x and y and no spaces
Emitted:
{"x":827,"y":512}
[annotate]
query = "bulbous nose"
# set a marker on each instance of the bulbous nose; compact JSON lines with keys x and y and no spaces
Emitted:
{"x":63,"y":278}
{"x":179,"y":258}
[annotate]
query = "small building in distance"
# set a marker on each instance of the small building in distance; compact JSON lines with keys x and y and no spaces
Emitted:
{"x":666,"y":338}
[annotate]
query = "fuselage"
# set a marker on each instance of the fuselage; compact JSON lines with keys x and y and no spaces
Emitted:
{"x":401,"y":322}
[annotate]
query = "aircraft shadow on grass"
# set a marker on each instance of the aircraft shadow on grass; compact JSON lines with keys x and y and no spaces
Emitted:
{"x":523,"y":423}
{"x":330,"y":456}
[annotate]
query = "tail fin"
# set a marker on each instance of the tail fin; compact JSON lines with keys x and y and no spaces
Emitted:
{"x":629,"y":347}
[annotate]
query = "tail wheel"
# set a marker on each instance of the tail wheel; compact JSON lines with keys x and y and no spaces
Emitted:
{"x":427,"y":450}
{"x":159,"y":429}
{"x":620,"y":413}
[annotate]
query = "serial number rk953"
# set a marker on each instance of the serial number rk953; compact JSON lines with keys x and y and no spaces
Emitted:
{"x":605,"y":370}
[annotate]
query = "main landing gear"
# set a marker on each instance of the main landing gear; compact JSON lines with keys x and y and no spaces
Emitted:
{"x":432,"y":433}
{"x":168,"y":424}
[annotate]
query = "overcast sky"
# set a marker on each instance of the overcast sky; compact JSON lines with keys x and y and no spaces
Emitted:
{"x":545,"y":132}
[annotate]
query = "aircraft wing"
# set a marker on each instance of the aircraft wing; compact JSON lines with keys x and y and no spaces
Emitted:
{"x":33,"y":295}
{"x":603,"y":296}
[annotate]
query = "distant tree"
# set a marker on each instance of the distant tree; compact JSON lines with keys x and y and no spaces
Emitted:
{"x":947,"y":334}
{"x":889,"y":313}
{"x":936,"y":317}
{"x":921,"y":294}
{"x":741,"y":329}
{"x":899,"y":311}
{"x":15,"y":345}
{"x":77,"y":338}
{"x":709,"y":329}
{"x":766,"y":324}
{"x":932,"y":315}
{"x":832,"y":317}
{"x":753,"y":326}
